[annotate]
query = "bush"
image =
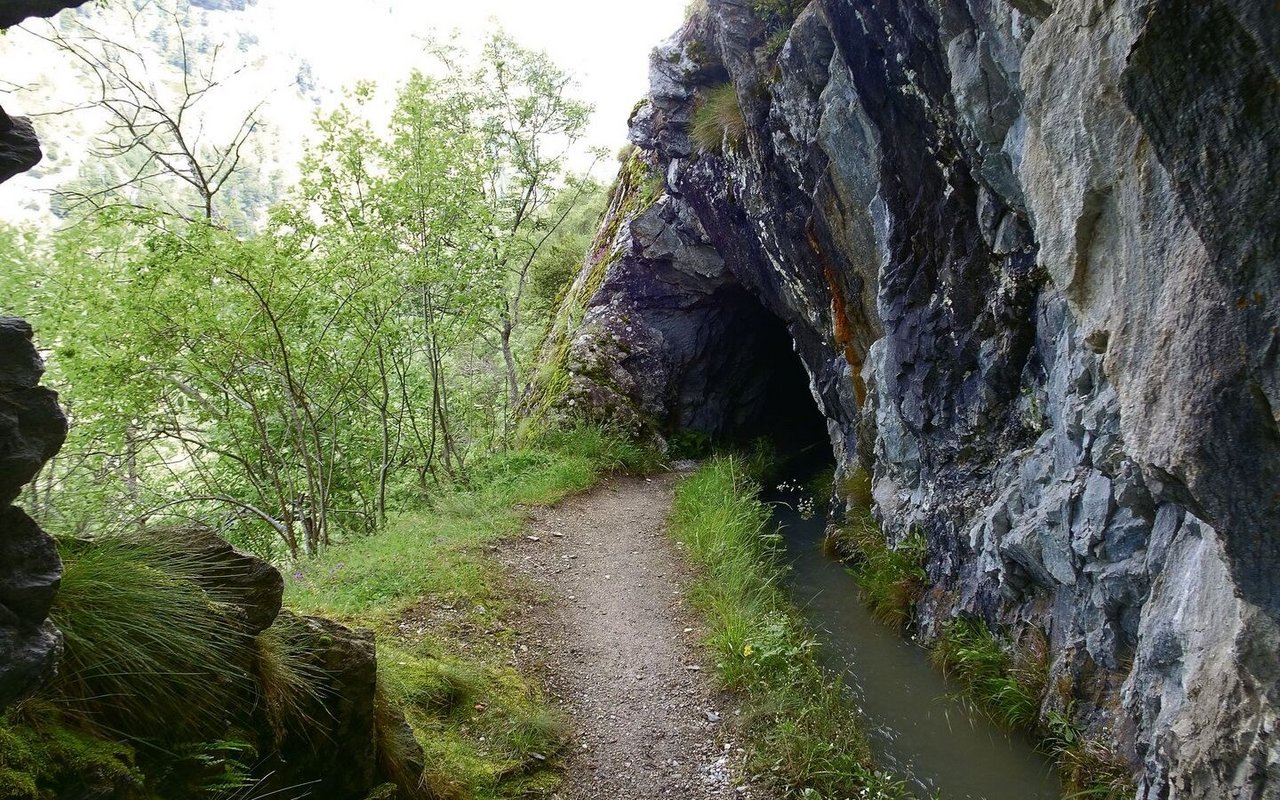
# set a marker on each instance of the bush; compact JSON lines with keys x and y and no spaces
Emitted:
{"x":718,"y":119}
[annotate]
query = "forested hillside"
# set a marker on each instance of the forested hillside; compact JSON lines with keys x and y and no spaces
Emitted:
{"x":291,"y":369}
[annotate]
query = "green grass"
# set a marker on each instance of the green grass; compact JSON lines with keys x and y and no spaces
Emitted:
{"x":890,"y":579}
{"x":718,"y":120}
{"x":1089,"y":768}
{"x":432,"y":590}
{"x":158,"y":689}
{"x":438,"y":552}
{"x":1006,"y":680}
{"x":804,"y":733}
{"x":148,"y":652}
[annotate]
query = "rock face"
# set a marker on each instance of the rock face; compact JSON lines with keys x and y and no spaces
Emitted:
{"x":15,"y":11}
{"x":1026,"y":252}
{"x":337,"y":754}
{"x":19,"y":148}
{"x":32,"y":429}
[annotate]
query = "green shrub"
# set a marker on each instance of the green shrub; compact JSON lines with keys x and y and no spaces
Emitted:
{"x":718,"y":119}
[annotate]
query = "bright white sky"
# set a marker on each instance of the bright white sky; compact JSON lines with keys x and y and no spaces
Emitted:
{"x":605,"y":44}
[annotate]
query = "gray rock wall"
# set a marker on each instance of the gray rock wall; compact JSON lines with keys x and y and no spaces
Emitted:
{"x":1027,"y":253}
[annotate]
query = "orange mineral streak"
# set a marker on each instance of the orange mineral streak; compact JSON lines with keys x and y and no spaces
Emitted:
{"x":842,"y":327}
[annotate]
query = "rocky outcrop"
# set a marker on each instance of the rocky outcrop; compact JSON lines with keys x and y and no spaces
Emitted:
{"x":248,"y":587}
{"x":32,"y":429}
{"x":336,"y":751}
{"x":1026,"y":253}
{"x":19,"y":148}
{"x":15,"y":11}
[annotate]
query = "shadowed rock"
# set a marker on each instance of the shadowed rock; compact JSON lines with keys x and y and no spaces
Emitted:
{"x":15,"y":11}
{"x":32,"y":429}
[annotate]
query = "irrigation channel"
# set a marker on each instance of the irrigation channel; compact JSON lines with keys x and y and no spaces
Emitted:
{"x":917,"y":726}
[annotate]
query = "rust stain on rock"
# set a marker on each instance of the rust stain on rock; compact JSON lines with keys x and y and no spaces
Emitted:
{"x":841,"y":325}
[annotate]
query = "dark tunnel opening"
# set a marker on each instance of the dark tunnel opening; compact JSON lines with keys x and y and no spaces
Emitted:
{"x":748,"y":383}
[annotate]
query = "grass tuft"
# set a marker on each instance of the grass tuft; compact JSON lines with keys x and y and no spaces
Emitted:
{"x":891,"y":580}
{"x":805,"y":736}
{"x":288,"y":680}
{"x":1005,"y":680}
{"x":718,"y":120}
{"x":148,"y":653}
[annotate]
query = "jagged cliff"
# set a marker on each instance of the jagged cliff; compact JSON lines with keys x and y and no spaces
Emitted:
{"x":1026,"y":253}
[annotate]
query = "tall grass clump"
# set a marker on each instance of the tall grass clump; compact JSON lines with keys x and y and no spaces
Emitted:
{"x":804,"y":733}
{"x":1006,"y":680}
{"x":289,"y":682}
{"x":148,"y":652}
{"x":891,"y":579}
{"x":718,"y":119}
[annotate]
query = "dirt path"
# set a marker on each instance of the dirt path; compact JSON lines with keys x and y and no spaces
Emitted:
{"x":620,"y":652}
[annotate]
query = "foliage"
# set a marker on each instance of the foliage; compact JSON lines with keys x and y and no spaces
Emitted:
{"x":1090,"y":768}
{"x":148,"y":652}
{"x":804,"y":731}
{"x":1006,"y":681}
{"x":890,"y":579}
{"x":292,"y":385}
{"x":718,"y":120}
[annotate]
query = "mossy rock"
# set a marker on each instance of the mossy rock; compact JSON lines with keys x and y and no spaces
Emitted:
{"x":42,"y":758}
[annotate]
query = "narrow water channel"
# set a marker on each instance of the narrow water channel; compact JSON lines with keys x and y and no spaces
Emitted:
{"x":917,"y":728}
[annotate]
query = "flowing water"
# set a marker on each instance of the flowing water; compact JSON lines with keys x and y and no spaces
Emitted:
{"x":917,"y":728}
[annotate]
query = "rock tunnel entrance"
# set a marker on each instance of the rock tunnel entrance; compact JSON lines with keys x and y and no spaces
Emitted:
{"x":748,"y":383}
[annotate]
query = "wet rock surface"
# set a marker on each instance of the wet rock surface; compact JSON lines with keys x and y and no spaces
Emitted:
{"x":1026,"y":253}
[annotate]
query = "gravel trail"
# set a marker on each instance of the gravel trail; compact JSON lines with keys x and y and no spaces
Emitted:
{"x":617,"y":648}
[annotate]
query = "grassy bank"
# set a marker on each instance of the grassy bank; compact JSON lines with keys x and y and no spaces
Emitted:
{"x":432,"y":590}
{"x":804,"y":736}
{"x":161,"y":693}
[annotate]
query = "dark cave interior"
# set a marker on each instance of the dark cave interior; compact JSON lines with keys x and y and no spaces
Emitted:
{"x":747,"y":382}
